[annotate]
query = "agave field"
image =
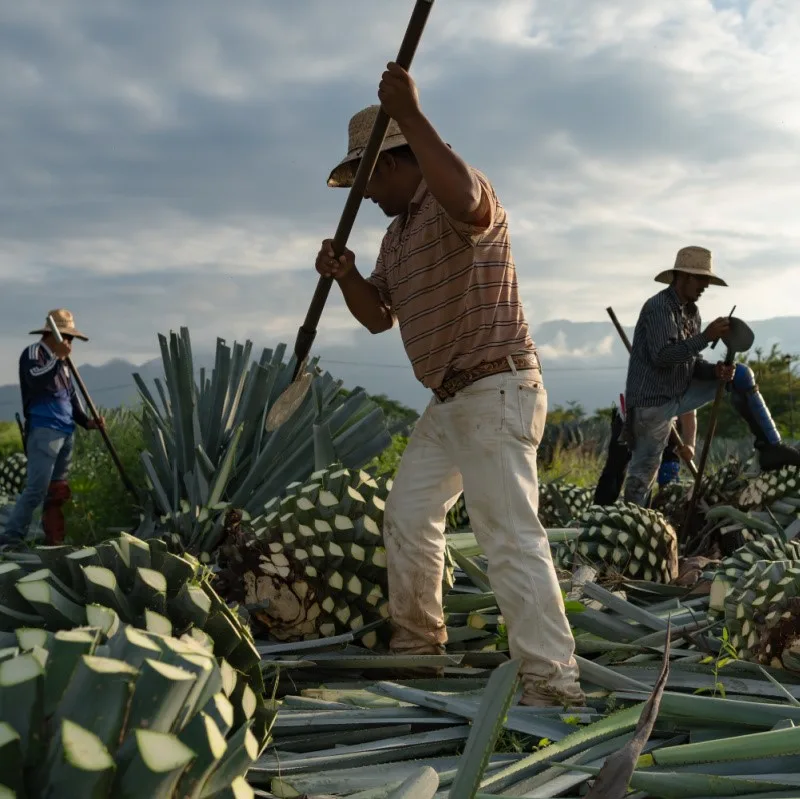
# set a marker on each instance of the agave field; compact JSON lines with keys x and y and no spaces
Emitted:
{"x":224,"y":633}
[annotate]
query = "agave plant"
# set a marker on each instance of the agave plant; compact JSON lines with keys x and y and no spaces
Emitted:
{"x":86,"y":713}
{"x":13,"y":470}
{"x":316,"y":558}
{"x":208,"y":447}
{"x":127,"y":581}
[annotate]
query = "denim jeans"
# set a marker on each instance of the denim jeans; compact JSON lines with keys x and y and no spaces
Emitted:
{"x":651,"y":428}
{"x":49,"y":454}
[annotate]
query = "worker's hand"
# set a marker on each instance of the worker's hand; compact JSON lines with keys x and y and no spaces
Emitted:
{"x":686,"y":453}
{"x":328,"y":266}
{"x":724,"y":371}
{"x":398,"y":94}
{"x":717,"y":329}
{"x":98,"y":424}
{"x":61,"y":350}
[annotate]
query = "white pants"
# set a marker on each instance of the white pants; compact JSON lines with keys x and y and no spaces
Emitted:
{"x":483,"y":441}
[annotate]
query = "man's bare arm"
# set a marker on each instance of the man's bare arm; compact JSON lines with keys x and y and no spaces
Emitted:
{"x":365,"y":303}
{"x":449,"y":178}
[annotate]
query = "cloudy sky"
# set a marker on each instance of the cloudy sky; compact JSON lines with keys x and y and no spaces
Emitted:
{"x":164,"y":163}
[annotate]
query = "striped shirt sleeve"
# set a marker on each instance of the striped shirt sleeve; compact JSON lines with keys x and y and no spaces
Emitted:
{"x":38,"y":370}
{"x":663,"y":339}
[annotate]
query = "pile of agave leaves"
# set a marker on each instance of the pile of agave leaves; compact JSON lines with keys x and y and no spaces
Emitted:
{"x":671,"y":711}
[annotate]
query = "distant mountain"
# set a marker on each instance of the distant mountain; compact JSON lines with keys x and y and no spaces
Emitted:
{"x":583,"y":362}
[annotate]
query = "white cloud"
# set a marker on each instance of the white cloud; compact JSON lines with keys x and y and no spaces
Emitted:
{"x":154,"y":151}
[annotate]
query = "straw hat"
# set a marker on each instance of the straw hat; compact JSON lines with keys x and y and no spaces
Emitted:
{"x":358,"y":133}
{"x":65,"y":322}
{"x":692,"y":261}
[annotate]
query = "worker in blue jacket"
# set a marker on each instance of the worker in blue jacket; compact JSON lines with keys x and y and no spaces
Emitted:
{"x":51,"y":409}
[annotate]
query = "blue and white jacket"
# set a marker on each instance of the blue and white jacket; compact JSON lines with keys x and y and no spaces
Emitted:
{"x":49,"y":398}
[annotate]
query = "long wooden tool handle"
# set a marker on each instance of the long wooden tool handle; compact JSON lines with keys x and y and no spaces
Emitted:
{"x":21,"y":430}
{"x":308,"y":330}
{"x":712,"y":428}
{"x":674,"y":434}
{"x":95,"y":415}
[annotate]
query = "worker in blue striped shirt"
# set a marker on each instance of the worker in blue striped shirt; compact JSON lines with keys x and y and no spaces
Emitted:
{"x":668,"y":377}
{"x":52,"y":409}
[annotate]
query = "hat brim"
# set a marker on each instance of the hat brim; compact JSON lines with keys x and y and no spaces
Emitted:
{"x":343,"y":174}
{"x":666,"y":276}
{"x":65,"y":331}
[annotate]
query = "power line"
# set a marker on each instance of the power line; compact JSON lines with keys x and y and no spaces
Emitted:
{"x":370,"y":364}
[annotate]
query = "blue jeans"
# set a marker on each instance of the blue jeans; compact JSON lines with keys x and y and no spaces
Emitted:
{"x":49,"y":454}
{"x":651,"y":427}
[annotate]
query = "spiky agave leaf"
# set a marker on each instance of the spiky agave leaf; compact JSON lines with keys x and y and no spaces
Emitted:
{"x":762,"y":614}
{"x":127,"y":714}
{"x":561,"y":502}
{"x":133,"y":582}
{"x":765,"y":548}
{"x":725,"y":484}
{"x":206,"y":440}
{"x":778,"y":491}
{"x":672,"y":501}
{"x":627,"y":540}
{"x":316,"y":558}
{"x":458,"y":515}
{"x":13,"y":472}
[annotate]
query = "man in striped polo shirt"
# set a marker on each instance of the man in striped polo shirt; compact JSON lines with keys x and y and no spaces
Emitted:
{"x":667,"y":376}
{"x":445,"y":272}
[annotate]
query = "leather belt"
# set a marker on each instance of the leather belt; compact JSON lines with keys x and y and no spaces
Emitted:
{"x":456,"y":381}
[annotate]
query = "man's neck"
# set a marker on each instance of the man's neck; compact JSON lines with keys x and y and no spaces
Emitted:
{"x":681,"y":299}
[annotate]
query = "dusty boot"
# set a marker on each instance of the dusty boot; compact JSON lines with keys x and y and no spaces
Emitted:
{"x":538,"y":695}
{"x":58,"y":493}
{"x":747,"y":399}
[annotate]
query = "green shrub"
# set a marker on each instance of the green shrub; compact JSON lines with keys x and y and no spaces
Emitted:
{"x":10,"y":439}
{"x":100,"y":502}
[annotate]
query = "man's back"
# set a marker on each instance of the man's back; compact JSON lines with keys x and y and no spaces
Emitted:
{"x":46,"y":389}
{"x":452,"y":287}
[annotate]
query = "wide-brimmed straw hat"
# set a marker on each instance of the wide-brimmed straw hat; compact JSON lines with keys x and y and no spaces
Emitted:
{"x":692,"y":261}
{"x":358,"y":133}
{"x":65,"y":322}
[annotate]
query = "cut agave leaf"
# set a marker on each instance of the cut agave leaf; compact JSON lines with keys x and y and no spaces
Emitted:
{"x":119,"y":730}
{"x":150,"y":763}
{"x":78,"y":763}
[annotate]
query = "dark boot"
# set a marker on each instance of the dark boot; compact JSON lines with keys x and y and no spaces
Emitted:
{"x":746,"y":398}
{"x":58,"y":493}
{"x":609,"y":485}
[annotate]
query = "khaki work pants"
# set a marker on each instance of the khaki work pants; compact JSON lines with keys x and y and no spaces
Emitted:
{"x":483,"y":441}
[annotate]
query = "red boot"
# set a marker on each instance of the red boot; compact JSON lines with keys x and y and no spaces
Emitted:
{"x":58,"y":492}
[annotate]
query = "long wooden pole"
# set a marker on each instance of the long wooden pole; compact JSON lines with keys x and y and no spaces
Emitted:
{"x":308,"y":330}
{"x":712,"y":427}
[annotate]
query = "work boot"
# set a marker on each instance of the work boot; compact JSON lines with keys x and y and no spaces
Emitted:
{"x":542,"y":696}
{"x":772,"y":457}
{"x":773,"y":454}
